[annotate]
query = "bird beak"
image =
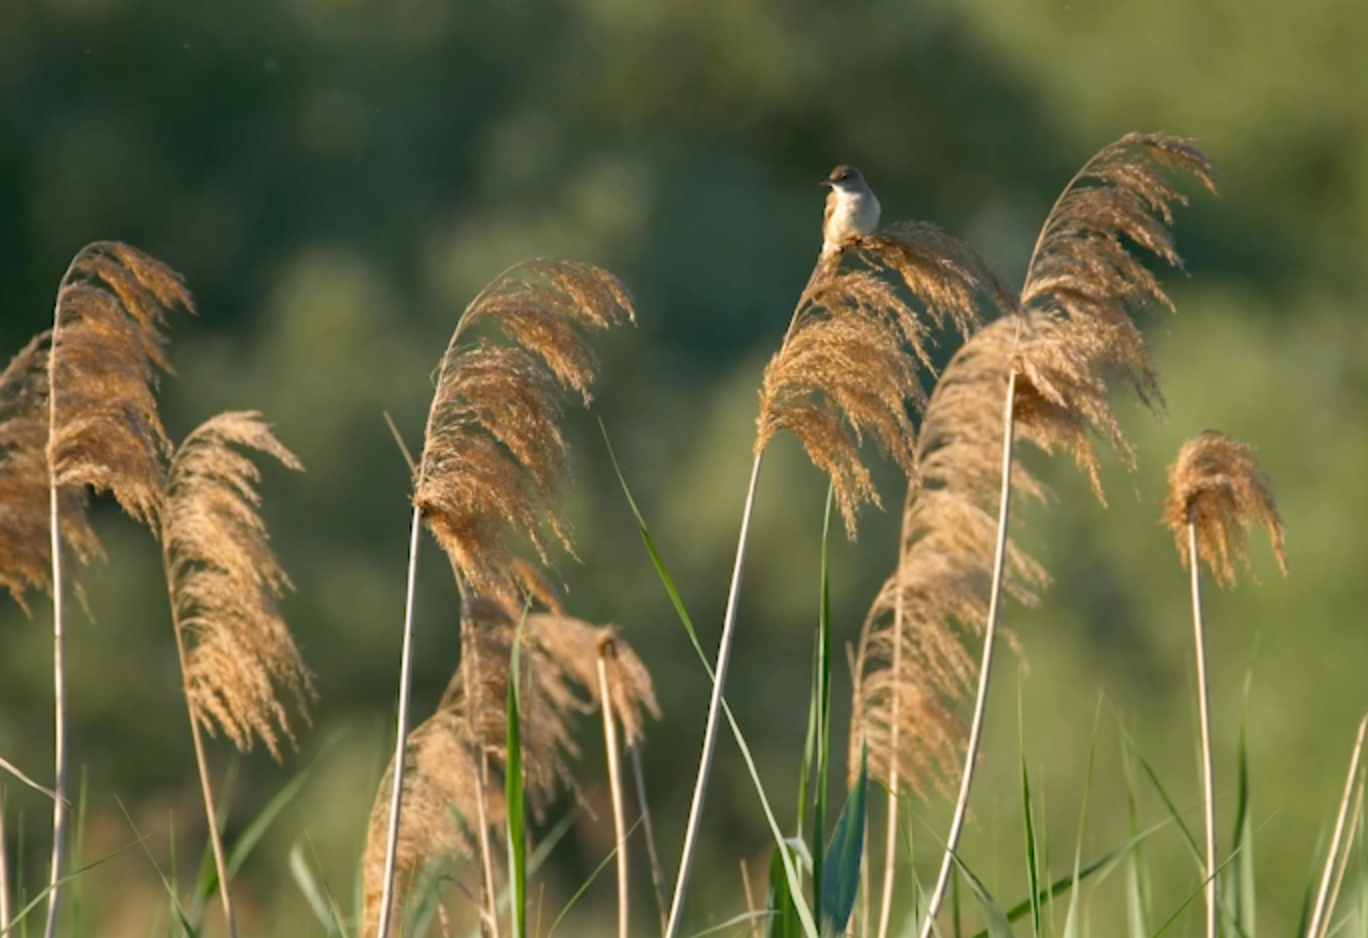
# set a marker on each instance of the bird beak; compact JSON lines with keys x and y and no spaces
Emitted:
{"x":827,"y":183}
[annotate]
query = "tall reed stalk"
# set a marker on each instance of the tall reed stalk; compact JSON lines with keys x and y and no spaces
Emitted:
{"x":1324,"y":904}
{"x":1217,"y":493}
{"x":1204,"y":722}
{"x":492,"y":462}
{"x":610,"y":745}
{"x":849,"y":358}
{"x":985,"y":666}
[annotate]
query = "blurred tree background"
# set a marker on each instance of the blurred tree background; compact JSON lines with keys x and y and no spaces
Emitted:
{"x":337,"y":178}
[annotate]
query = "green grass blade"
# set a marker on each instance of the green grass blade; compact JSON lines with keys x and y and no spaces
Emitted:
{"x":315,"y":893}
{"x":1239,"y":889}
{"x":1028,"y":820}
{"x":1174,"y":814}
{"x":998,"y":924}
{"x":823,"y":699}
{"x":20,"y":920}
{"x":843,"y":855}
{"x":1136,"y":892}
{"x":1071,"y":923}
{"x":795,"y":882}
{"x":1065,"y":883}
{"x":785,"y":922}
{"x":167,"y":884}
{"x":513,"y":793}
{"x":584,"y":886}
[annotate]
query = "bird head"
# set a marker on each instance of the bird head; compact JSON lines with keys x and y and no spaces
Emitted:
{"x":845,"y":178}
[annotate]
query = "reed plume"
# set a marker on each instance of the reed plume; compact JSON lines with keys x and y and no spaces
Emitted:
{"x":1217,"y":493}
{"x":450,"y":754}
{"x":25,"y":542}
{"x":1056,"y":358}
{"x":104,"y":430}
{"x":494,"y":454}
{"x":1218,"y":489}
{"x":237,"y":656}
{"x":847,"y":369}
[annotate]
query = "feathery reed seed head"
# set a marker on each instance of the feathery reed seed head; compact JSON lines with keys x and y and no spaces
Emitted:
{"x":493,"y":453}
{"x":108,"y":347}
{"x":225,"y":583}
{"x":25,"y":545}
{"x":1218,"y":485}
{"x":848,"y":366}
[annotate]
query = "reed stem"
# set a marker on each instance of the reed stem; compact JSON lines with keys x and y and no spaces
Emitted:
{"x":657,"y":876}
{"x":4,"y":869}
{"x":610,"y":742}
{"x":700,"y":793}
{"x":401,"y":742}
{"x":1322,"y":905}
{"x":1204,"y":718}
{"x":59,"y":803}
{"x":985,"y":669}
{"x":891,"y":832}
{"x":201,"y":762}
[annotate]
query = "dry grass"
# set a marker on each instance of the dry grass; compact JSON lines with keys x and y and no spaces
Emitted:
{"x":494,"y":454}
{"x":25,"y":545}
{"x":108,"y":349}
{"x":470,"y":727}
{"x":848,"y":366}
{"x":1218,"y":485}
{"x":913,"y":666}
{"x":225,"y":582}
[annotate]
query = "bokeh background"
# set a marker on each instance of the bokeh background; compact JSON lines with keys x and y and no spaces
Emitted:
{"x":336,"y":178}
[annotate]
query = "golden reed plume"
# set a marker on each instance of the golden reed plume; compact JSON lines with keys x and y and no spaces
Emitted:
{"x":494,"y":454}
{"x":1051,"y":362}
{"x":25,"y":543}
{"x":103,"y":429}
{"x":914,"y":669}
{"x":1218,"y":486}
{"x":225,"y":581}
{"x":851,"y":354}
{"x":467,"y":737}
{"x":108,"y":348}
{"x":1083,"y":286}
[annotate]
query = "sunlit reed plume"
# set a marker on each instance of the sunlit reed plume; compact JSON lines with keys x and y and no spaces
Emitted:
{"x":494,"y":455}
{"x":25,"y":543}
{"x":103,"y":428}
{"x":469,"y":731}
{"x":1071,"y":335}
{"x":493,"y":451}
{"x":1217,"y":493}
{"x":847,"y":369}
{"x":241,"y":664}
{"x":848,"y":366}
{"x":238,"y":659}
{"x":1218,"y":487}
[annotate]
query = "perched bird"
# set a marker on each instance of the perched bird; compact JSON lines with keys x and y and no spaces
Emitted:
{"x":852,"y":209}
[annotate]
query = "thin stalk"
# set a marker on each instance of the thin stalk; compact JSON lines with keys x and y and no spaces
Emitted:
{"x":5,"y":915}
{"x":657,"y":877}
{"x":1323,"y":895}
{"x":610,"y":742}
{"x":891,"y":831}
{"x":401,"y":741}
{"x":985,"y":668}
{"x":201,"y":762}
{"x":1354,"y":818}
{"x":489,"y":914}
{"x":59,"y":803}
{"x":1204,"y":718}
{"x":751,"y":908}
{"x":714,"y":712}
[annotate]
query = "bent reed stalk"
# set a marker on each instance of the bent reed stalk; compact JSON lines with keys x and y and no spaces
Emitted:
{"x":849,"y":358}
{"x":1324,"y":906}
{"x":494,"y":455}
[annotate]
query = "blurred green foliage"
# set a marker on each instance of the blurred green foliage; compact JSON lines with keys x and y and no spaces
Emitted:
{"x":337,"y":177}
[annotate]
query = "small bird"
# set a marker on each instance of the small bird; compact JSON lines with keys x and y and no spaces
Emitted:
{"x":852,"y":209}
